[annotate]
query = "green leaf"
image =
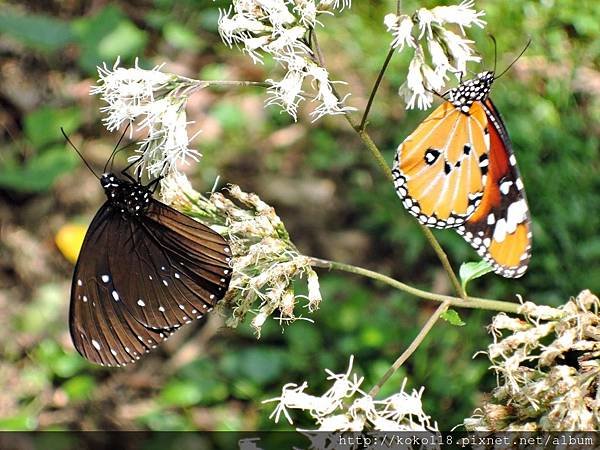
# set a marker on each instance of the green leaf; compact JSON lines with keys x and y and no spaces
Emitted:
{"x":41,"y":32}
{"x":50,"y":355}
{"x":181,"y":393}
{"x":38,"y":173}
{"x":79,"y":387}
{"x":21,"y":422}
{"x":42,"y":127}
{"x":107,"y":35}
{"x":471,"y":270}
{"x":125,"y":40}
{"x":166,"y":421}
{"x":181,"y":37}
{"x":229,"y":115}
{"x":258,"y":365}
{"x":452,"y":317}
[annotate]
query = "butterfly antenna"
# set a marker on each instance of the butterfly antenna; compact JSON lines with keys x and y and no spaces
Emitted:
{"x":78,"y":152}
{"x":493,"y":38}
{"x":516,"y":59}
{"x":116,"y":150}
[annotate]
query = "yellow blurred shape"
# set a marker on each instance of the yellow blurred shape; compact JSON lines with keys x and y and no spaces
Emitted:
{"x":69,"y":239}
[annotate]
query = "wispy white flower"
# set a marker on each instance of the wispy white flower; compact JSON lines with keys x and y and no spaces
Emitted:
{"x":346,"y":407}
{"x":414,"y":88}
{"x":287,"y":93}
{"x":336,"y":4}
{"x":128,"y":92}
{"x":307,"y":12}
{"x":314,"y":291}
{"x":463,"y":15}
{"x":279,"y":28}
{"x":265,"y":262}
{"x":238,"y":27}
{"x":401,"y":28}
{"x":448,"y":51}
{"x":152,"y":101}
{"x":425,"y":19}
{"x":329,"y":103}
{"x":438,"y":56}
{"x":252,"y":45}
{"x":167,"y":143}
{"x":459,"y":49}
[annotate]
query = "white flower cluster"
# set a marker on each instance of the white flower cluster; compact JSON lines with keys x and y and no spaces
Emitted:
{"x":345,"y":407}
{"x":548,"y":370}
{"x":264,"y":260}
{"x":279,"y":28}
{"x":427,"y":34}
{"x":151,"y":99}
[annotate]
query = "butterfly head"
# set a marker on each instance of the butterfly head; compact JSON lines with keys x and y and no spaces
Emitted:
{"x":129,"y":198}
{"x":474,"y":90}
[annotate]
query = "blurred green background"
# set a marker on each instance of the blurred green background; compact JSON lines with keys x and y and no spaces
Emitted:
{"x":324,"y":186}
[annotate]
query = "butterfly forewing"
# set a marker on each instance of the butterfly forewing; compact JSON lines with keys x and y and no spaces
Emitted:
{"x":100,"y":329}
{"x":500,"y":228}
{"x":440,"y":168}
{"x":144,"y":270}
{"x":457,"y":170}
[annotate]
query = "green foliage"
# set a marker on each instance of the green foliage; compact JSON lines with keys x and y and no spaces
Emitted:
{"x":453,"y":318}
{"x":39,"y":32}
{"x":20,"y":422}
{"x":42,"y":127}
{"x":59,"y":362}
{"x":181,"y":37}
{"x":471,"y":270}
{"x":37,"y":173}
{"x":79,"y":387}
{"x":107,"y":35}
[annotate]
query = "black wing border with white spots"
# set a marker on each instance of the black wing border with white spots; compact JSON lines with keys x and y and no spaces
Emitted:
{"x":480,"y":233}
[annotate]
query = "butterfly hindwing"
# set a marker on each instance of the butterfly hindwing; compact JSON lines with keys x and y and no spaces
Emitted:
{"x":144,"y":270}
{"x":440,"y":169}
{"x":101,"y":330}
{"x":500,"y":227}
{"x":183,"y":268}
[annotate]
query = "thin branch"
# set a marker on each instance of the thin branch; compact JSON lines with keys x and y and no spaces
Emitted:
{"x":196,"y":85}
{"x":241,"y":83}
{"x":467,"y":302}
{"x":320,"y":59}
{"x":411,"y":348}
{"x":364,"y":136}
{"x":388,"y":58}
{"x":383,"y":166}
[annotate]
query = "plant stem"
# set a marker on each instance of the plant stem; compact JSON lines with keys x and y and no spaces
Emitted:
{"x":196,"y":85}
{"x":411,"y":348}
{"x":467,"y":302}
{"x":241,"y":83}
{"x":388,"y":58}
{"x":381,"y":162}
{"x":364,"y":136}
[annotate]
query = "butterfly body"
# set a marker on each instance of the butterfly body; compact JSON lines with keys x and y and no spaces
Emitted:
{"x":457,"y":170}
{"x":129,"y":198}
{"x":144,"y":270}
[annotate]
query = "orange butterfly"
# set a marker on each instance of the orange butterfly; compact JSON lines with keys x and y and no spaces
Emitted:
{"x":457,"y":170}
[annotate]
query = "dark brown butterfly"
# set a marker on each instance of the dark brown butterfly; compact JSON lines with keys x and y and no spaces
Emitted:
{"x":144,"y":270}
